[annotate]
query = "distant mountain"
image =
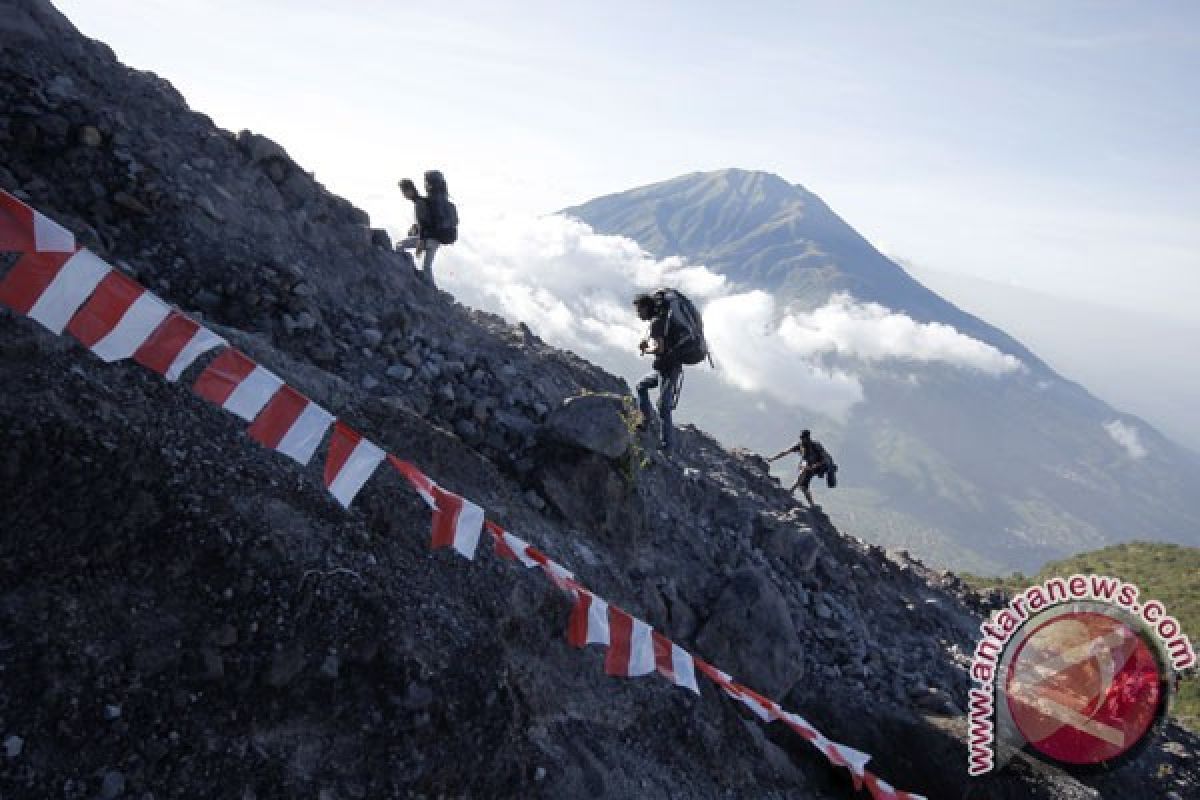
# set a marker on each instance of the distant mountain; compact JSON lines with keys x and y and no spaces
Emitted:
{"x":967,"y":469}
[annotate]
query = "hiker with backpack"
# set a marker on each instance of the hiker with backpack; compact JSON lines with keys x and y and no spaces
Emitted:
{"x":675,"y":339}
{"x":436,"y":220}
{"x":815,"y":461}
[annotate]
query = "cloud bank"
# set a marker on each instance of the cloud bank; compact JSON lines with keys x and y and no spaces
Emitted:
{"x":573,"y":287}
{"x":1127,"y":437}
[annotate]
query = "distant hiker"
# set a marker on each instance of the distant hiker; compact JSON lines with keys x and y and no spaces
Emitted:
{"x":436,"y":220}
{"x":815,"y":462}
{"x":420,"y":239}
{"x":675,"y":339}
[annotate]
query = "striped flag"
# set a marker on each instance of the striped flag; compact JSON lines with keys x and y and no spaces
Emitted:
{"x":674,"y":663}
{"x":118,"y":318}
{"x":631,"y":647}
{"x":851,"y":759}
{"x":50,"y":287}
{"x":24,"y":230}
{"x":237,"y":384}
{"x":175,"y":345}
{"x":457,"y":522}
{"x":350,"y":463}
{"x":589,"y":620}
{"x":291,"y":424}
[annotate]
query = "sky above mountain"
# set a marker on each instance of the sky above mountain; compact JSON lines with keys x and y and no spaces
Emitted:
{"x":1056,"y":148}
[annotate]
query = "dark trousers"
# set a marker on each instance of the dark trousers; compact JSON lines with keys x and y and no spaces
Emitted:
{"x":666,"y":380}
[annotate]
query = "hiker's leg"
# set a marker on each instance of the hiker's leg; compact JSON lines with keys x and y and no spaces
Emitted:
{"x":643,"y":391}
{"x":806,"y":476}
{"x":431,"y":246}
{"x":666,"y":403}
{"x":409,"y":243}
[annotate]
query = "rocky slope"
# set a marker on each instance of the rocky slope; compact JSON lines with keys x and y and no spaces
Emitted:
{"x":184,"y":614}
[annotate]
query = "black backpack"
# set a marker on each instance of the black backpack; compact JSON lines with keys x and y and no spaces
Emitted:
{"x":831,"y":467}
{"x":441,"y":208}
{"x":685,"y":327}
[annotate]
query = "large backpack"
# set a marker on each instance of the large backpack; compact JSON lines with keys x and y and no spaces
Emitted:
{"x":441,"y":208}
{"x":685,"y":328}
{"x":831,"y":467}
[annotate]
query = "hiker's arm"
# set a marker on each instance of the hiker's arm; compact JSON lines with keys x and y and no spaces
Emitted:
{"x":781,"y":454}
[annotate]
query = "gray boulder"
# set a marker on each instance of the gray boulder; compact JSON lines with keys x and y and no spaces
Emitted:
{"x":592,"y":422}
{"x":750,"y":635}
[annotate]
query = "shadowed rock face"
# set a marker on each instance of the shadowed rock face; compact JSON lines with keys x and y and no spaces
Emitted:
{"x":185,"y":614}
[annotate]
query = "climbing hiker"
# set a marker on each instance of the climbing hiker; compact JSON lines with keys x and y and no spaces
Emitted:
{"x":815,"y":461}
{"x":675,"y":339}
{"x":420,"y":236}
{"x":437,"y":220}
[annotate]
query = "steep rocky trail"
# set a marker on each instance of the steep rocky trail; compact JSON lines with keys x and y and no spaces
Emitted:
{"x":186,"y":614}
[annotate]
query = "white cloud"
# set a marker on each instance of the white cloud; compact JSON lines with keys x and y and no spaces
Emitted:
{"x":573,"y":288}
{"x":1126,"y":436}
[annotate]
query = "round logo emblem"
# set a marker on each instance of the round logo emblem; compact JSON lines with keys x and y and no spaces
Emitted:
{"x":1084,"y":688}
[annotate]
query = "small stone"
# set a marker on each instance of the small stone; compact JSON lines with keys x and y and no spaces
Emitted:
{"x":305,"y":321}
{"x":112,"y":713}
{"x":466,"y":429}
{"x":446,"y":392}
{"x":370,"y":382}
{"x":372,"y":338}
{"x":285,"y":666}
{"x":206,"y":205}
{"x":113,"y":785}
{"x":90,"y":137}
{"x":206,"y":300}
{"x":534,"y":499}
{"x":413,"y":358}
{"x":417,"y":697}
{"x":129,"y":203}
{"x":303,"y":290}
{"x":13,"y":746}
{"x":331,"y":666}
{"x":539,"y":774}
{"x":399,"y":372}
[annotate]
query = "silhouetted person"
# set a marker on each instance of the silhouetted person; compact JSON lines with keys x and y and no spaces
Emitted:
{"x":421,"y":235}
{"x":668,"y":369}
{"x":815,"y":462}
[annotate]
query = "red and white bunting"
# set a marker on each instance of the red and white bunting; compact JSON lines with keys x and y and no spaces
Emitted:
{"x":237,"y":384}
{"x":674,"y":663}
{"x":511,"y":547}
{"x":559,"y":575}
{"x":851,"y":759}
{"x":631,"y":645}
{"x":175,"y":345}
{"x":457,"y":522}
{"x":50,"y":287}
{"x":24,"y":230}
{"x":350,"y":463}
{"x":118,"y":318}
{"x":761,"y":707}
{"x":589,"y":620}
{"x":800,"y":725}
{"x":291,"y":424}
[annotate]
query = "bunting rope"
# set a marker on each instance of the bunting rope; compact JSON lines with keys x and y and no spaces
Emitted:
{"x":66,"y":288}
